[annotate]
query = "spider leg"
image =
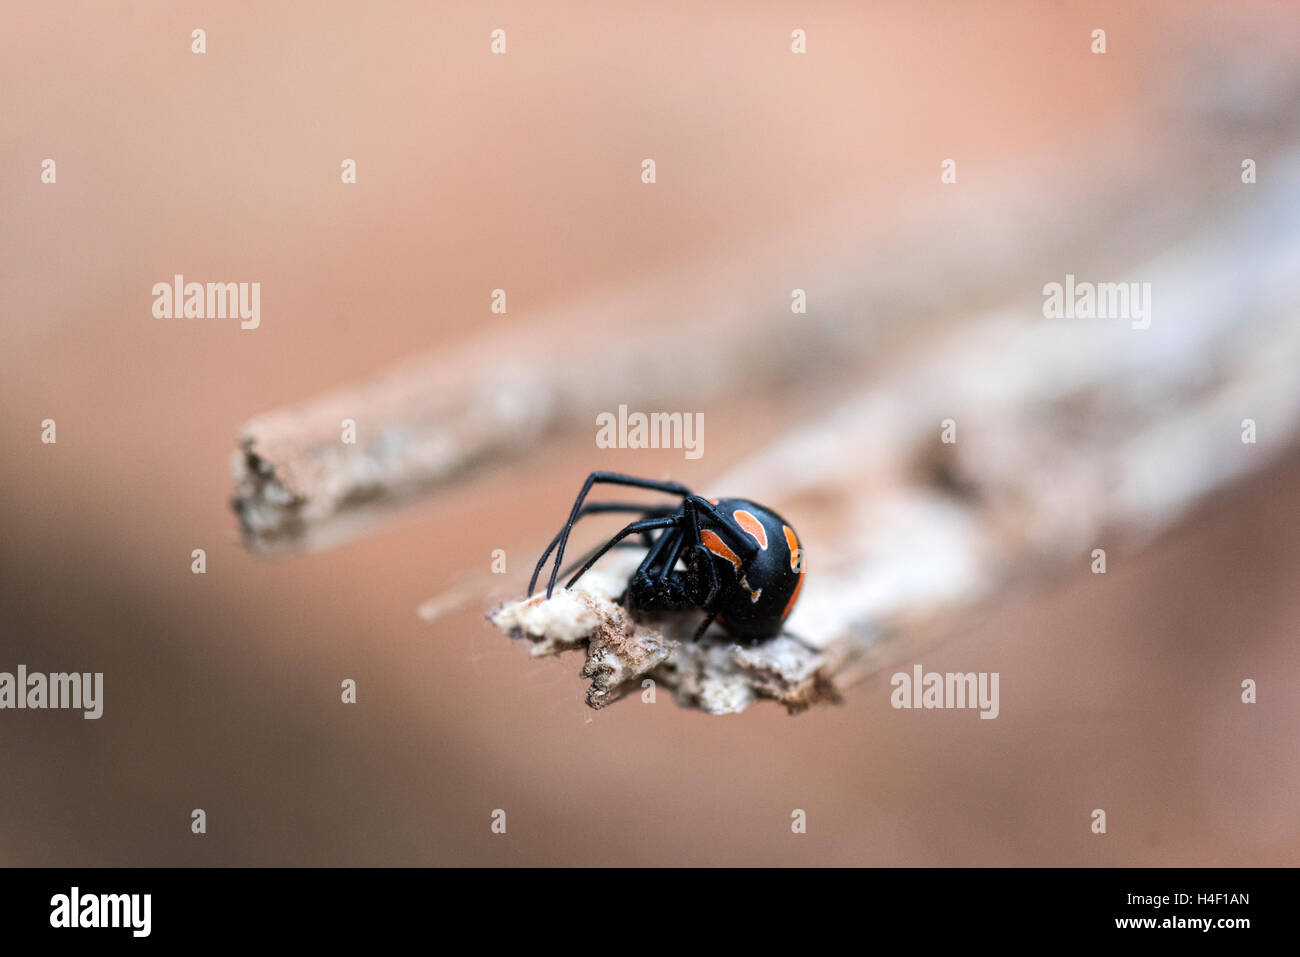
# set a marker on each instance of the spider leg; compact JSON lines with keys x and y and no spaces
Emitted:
{"x":643,"y":581}
{"x":608,"y":478}
{"x":741,"y":544}
{"x":665,"y":551}
{"x":691,"y":518}
{"x":656,"y":546}
{"x":624,"y":544}
{"x":670,"y":555}
{"x":704,"y":626}
{"x":644,"y":525}
{"x":593,"y":509}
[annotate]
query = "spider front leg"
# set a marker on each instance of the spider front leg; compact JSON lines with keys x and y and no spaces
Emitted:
{"x":657,"y":583}
{"x":702,"y":556}
{"x":704,"y":626}
{"x":663,"y":556}
{"x":644,"y":525}
{"x":597,"y":508}
{"x":610,"y":478}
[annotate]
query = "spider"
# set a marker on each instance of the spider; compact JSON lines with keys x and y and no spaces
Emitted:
{"x":742,"y":563}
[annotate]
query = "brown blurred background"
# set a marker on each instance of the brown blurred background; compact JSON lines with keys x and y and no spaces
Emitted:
{"x":476,"y":172}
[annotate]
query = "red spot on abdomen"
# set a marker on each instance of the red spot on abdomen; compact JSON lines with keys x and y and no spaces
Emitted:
{"x":792,"y":542}
{"x":752,"y":526}
{"x":713,"y":543}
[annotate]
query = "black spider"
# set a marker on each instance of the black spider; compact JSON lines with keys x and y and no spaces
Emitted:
{"x":742,"y":562}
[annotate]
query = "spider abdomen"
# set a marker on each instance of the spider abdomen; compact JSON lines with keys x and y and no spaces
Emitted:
{"x":759,"y":590}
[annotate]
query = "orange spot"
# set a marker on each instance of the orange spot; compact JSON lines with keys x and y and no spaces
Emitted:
{"x":753,"y":526}
{"x":789,"y":606}
{"x":792,"y":542}
{"x":710,"y":540}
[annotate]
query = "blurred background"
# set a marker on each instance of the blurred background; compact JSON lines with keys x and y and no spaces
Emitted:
{"x":523,"y":171}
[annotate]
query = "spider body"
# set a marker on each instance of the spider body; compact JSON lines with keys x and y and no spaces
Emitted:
{"x":737,"y":561}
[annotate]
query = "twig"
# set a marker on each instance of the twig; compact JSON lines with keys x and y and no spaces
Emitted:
{"x":298,"y":483}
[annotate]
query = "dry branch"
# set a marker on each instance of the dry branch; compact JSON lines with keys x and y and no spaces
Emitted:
{"x":436,"y":416}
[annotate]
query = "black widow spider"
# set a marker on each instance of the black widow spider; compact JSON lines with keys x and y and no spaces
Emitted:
{"x":742,"y":563}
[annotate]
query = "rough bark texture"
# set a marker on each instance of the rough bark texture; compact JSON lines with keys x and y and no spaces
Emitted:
{"x":625,"y":656}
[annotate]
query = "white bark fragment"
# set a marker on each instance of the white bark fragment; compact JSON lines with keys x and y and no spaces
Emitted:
{"x":715,"y":675}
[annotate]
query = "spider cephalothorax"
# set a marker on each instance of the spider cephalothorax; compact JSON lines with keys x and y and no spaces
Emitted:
{"x":740,"y":562}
